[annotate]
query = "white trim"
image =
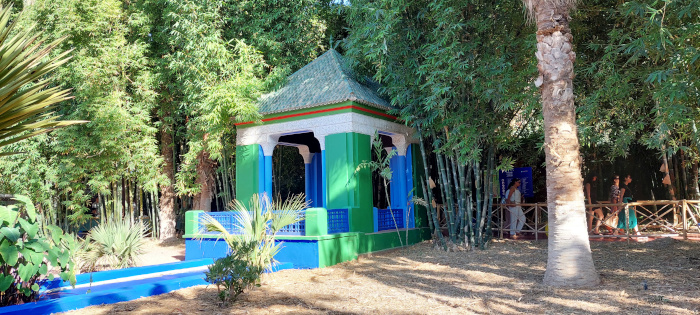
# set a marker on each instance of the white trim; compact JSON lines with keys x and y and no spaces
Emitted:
{"x":266,"y":135}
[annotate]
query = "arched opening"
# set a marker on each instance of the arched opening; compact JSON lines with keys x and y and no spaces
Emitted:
{"x":287,"y":171}
{"x":296,"y":166}
{"x":381,"y":192}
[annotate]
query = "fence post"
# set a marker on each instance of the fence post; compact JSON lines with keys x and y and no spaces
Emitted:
{"x":316,"y":221}
{"x":537,"y":219}
{"x":192,"y":223}
{"x":500,"y":228}
{"x":627,"y":224}
{"x":685,"y":219}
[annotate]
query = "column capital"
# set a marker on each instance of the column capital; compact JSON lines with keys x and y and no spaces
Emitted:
{"x":399,"y":141}
{"x":305,"y":153}
{"x":269,"y":144}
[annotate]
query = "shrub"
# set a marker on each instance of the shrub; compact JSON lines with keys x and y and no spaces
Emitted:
{"x":113,"y":244}
{"x":27,"y":252}
{"x":234,"y":272}
{"x":253,"y":249}
{"x":259,"y":225}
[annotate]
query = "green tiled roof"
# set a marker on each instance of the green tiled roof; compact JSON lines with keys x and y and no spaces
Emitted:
{"x":326,"y":80}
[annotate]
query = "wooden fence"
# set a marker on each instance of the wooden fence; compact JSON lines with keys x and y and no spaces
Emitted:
{"x":675,"y":217}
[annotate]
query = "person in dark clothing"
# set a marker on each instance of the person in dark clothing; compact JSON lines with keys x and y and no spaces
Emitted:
{"x":591,"y":194}
{"x":626,"y":195}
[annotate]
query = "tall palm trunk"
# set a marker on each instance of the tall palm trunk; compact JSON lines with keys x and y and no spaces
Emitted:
{"x":206,"y":168}
{"x":167,"y":199}
{"x":569,"y":261}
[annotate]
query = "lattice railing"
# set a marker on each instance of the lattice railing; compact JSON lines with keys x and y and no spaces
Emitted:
{"x":385,"y":221}
{"x":338,"y":221}
{"x":672,"y":216}
{"x":228,"y":221}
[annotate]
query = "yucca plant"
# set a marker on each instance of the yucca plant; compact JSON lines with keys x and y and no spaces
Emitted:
{"x":26,"y":104}
{"x":113,"y":244}
{"x":258,"y":224}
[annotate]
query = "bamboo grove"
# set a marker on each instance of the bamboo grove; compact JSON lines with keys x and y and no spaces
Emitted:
{"x":161,"y":83}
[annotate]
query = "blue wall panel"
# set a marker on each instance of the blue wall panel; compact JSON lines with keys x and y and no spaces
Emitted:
{"x":303,"y":254}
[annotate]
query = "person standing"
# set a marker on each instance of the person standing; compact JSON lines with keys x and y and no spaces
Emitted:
{"x":517,"y":217}
{"x":591,"y":190}
{"x":626,"y":195}
{"x":614,"y":198}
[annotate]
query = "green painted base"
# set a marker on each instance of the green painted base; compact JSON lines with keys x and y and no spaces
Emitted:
{"x":338,"y":248}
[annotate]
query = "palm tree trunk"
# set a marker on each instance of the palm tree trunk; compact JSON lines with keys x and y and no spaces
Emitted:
{"x":167,"y":200}
{"x":569,"y":261}
{"x":206,"y":168}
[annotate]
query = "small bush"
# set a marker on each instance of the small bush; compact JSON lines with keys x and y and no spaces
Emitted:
{"x":113,"y":244}
{"x":27,"y":251}
{"x":234,"y":273}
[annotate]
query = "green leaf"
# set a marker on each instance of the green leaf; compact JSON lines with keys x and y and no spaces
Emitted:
{"x":5,"y":282}
{"x":53,"y":256}
{"x":37,"y":246}
{"x":11,"y":234}
{"x":51,"y":277}
{"x":29,"y":228}
{"x":35,"y":287}
{"x":26,"y":272}
{"x":31,"y":255}
{"x":8,"y":252}
{"x":56,"y":234}
{"x":8,"y":215}
{"x":43,"y":269}
{"x":31,"y":211}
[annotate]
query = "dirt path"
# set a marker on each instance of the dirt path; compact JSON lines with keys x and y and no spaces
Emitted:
{"x":156,"y":252}
{"x":503,"y":280}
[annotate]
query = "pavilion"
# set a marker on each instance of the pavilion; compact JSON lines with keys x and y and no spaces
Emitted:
{"x":331,"y":116}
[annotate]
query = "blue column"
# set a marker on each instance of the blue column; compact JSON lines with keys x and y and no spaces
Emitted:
{"x":399,"y":192}
{"x":324,"y":188}
{"x":268,"y":176}
{"x":409,"y":187}
{"x":308,"y":179}
{"x":261,"y":172}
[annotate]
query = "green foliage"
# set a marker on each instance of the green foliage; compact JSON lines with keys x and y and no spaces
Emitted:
{"x":26,"y":104}
{"x":235,"y":272}
{"x":27,"y":252}
{"x":113,"y":244}
{"x":259,"y":224}
{"x":112,"y":83}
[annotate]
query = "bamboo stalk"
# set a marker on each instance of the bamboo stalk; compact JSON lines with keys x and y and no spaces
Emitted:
{"x":477,"y":184}
{"x":428,"y":192}
{"x":491,"y":167}
{"x":470,"y":203}
{"x":447,"y":196}
{"x":462,"y":203}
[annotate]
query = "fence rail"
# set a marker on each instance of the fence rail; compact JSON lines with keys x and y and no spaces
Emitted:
{"x":674,"y":216}
{"x":333,"y":221}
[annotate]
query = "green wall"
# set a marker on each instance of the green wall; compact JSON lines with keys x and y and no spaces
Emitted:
{"x":345,"y":188}
{"x":421,"y":214}
{"x":248,"y":179}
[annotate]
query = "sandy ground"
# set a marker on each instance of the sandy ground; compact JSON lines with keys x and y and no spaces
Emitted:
{"x":156,"y":252}
{"x":505,"y":279}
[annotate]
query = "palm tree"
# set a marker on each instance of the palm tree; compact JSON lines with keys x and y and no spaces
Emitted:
{"x":26,"y":104}
{"x":569,"y":259}
{"x":258,"y":224}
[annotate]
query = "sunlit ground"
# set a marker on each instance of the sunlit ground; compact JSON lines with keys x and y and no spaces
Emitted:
{"x":505,"y":279}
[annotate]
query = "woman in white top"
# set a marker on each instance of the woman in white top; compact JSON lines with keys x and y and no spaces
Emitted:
{"x":517,"y":217}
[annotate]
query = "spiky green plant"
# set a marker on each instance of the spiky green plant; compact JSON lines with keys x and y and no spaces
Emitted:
{"x":259,"y":225}
{"x":114,"y":244}
{"x":26,"y":104}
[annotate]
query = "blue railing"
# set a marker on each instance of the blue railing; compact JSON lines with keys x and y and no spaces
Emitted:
{"x":228,"y":221}
{"x":385,"y":221}
{"x":338,"y":221}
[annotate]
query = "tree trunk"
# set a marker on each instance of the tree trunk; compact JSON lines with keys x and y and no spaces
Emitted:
{"x":167,"y":199}
{"x":569,"y":261}
{"x":206,"y":169}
